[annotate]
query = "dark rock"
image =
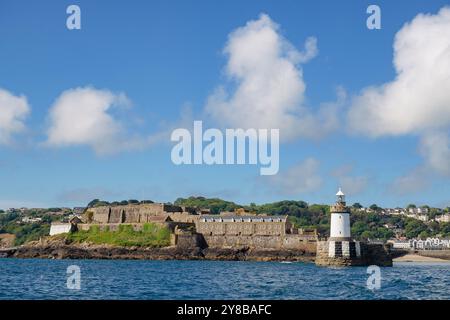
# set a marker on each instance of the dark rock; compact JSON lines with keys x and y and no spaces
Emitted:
{"x":63,"y":251}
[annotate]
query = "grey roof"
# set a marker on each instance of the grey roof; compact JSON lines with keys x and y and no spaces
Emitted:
{"x":236,"y":218}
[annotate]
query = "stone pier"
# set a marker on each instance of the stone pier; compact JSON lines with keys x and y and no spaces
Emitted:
{"x":369,"y":254}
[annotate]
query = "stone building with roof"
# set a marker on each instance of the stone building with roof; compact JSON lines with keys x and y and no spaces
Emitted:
{"x":255,"y":231}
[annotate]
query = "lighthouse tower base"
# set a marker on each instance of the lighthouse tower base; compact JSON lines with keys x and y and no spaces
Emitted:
{"x":346,"y":252}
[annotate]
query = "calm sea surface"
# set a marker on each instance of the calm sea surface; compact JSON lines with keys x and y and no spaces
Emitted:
{"x":120,"y":279}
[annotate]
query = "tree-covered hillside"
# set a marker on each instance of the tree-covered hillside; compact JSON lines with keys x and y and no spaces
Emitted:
{"x":11,"y":223}
{"x":364,"y":225}
{"x":214,"y":204}
{"x":32,"y":224}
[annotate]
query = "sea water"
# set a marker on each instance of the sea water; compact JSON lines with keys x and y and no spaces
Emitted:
{"x":125,"y":279}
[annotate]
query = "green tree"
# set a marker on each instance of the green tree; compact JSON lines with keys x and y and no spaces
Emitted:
{"x":357,"y":205}
{"x":424,"y":234}
{"x":414,"y":227}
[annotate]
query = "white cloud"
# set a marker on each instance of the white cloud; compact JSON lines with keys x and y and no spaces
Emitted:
{"x":267,"y":84}
{"x":88,"y":116}
{"x":13,"y":112}
{"x":301,"y":178}
{"x":417,"y":101}
{"x":84,"y":116}
{"x":310,"y":51}
{"x":435,"y":147}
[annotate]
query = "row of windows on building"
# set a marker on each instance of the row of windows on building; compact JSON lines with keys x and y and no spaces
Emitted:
{"x":429,"y":243}
{"x":243,"y":219}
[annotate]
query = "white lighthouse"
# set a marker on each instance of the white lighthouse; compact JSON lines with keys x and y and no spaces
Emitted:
{"x":340,"y":249}
{"x":340,"y":219}
{"x":340,"y":243}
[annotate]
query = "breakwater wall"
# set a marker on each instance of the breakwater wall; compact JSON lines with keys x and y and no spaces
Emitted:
{"x":370,"y":254}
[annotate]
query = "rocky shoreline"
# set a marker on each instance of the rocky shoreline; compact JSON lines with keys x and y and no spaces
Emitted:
{"x":90,"y":251}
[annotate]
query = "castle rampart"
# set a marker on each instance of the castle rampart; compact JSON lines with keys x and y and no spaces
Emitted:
{"x":228,"y":230}
{"x":236,"y":231}
{"x":139,"y":213}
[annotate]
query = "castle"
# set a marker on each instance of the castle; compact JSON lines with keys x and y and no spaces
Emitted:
{"x":226,"y":230}
{"x":193,"y":227}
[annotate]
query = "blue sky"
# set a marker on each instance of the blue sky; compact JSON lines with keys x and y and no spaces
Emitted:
{"x":167,"y":56}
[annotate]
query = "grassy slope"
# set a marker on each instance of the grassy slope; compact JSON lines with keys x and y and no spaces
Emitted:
{"x":152,"y":235}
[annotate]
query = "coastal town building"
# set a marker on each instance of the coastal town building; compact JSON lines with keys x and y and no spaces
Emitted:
{"x":418,"y":210}
{"x":420,"y":244}
{"x":424,"y":213}
{"x":445,"y":218}
{"x":401,"y":244}
{"x":30,"y":220}
{"x":430,"y":244}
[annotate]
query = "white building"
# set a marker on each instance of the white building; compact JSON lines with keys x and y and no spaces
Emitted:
{"x":422,"y":217}
{"x":401,"y":245}
{"x":58,"y":228}
{"x":31,"y":220}
{"x":430,"y":244}
{"x":419,"y":210}
{"x":443,"y":218}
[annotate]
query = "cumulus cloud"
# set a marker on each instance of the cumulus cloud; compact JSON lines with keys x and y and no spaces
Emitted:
{"x":417,"y":101}
{"x":84,"y":116}
{"x":13,"y":112}
{"x":300,"y":178}
{"x":266,"y":87}
{"x":435,"y":147}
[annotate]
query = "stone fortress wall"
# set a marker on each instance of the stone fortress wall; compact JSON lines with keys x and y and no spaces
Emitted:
{"x":235,"y":231}
{"x":228,"y":230}
{"x":139,"y":213}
